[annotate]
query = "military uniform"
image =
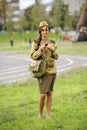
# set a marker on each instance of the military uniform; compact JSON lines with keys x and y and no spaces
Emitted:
{"x":50,"y":56}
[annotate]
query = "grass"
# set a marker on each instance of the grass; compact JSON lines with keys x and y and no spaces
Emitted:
{"x":70,"y":48}
{"x":19,"y":104}
{"x":20,"y":45}
{"x":19,"y":101}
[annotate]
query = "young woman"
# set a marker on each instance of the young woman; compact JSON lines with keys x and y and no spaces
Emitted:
{"x":43,"y":47}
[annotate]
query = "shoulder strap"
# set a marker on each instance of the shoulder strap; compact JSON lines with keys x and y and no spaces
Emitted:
{"x":53,"y":41}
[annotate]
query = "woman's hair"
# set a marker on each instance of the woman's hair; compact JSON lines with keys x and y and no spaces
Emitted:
{"x":40,"y":37}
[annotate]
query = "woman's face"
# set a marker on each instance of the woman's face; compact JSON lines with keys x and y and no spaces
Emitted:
{"x":44,"y":31}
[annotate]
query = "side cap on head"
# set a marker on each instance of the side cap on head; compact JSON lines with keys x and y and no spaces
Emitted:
{"x":43,"y":23}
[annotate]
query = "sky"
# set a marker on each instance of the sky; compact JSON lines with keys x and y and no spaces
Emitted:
{"x":26,"y":3}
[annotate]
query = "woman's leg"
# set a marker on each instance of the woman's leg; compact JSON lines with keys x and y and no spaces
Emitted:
{"x":41,"y":104}
{"x":48,"y":104}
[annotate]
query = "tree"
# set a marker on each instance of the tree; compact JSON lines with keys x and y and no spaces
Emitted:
{"x":9,"y":22}
{"x":2,"y":13}
{"x":83,"y":6}
{"x":23,"y":23}
{"x":59,"y":13}
{"x":34,"y":14}
{"x":9,"y":25}
{"x":27,"y":15}
{"x":75,"y":19}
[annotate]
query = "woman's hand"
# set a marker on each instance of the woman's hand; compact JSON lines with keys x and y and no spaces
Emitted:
{"x":51,"y":47}
{"x":41,"y":47}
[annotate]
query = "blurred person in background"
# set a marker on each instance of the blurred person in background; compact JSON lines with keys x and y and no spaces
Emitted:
{"x":11,"y":42}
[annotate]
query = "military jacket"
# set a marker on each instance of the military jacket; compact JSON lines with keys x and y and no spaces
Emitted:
{"x":47,"y":53}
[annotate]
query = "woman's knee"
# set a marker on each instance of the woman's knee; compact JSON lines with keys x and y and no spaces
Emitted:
{"x":49,"y":93}
{"x":42,"y":95}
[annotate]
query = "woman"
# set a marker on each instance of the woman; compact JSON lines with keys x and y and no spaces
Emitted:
{"x":43,"y":47}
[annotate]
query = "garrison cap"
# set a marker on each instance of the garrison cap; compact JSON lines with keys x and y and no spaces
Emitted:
{"x":43,"y":23}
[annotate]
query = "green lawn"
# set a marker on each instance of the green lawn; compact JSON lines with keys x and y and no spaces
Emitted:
{"x":22,"y":46}
{"x":70,"y":48}
{"x":19,"y":104}
{"x":67,"y":48}
{"x":19,"y":101}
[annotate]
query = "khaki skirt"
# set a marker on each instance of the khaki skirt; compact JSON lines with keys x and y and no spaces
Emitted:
{"x":46,"y":83}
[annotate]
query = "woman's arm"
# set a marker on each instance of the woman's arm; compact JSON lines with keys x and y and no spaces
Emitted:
{"x":35,"y":51}
{"x":53,"y":47}
{"x":55,"y":54}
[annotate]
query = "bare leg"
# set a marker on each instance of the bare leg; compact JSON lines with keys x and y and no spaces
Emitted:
{"x":41,"y":104}
{"x":48,"y":104}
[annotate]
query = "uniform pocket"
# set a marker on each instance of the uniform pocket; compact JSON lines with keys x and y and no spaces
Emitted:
{"x":50,"y":62}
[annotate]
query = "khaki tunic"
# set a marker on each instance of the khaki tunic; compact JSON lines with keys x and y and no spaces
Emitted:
{"x":46,"y":82}
{"x":50,"y":55}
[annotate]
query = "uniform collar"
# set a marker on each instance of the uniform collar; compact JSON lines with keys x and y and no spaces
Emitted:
{"x":45,"y":39}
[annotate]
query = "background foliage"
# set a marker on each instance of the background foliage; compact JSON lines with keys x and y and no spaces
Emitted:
{"x":57,"y":15}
